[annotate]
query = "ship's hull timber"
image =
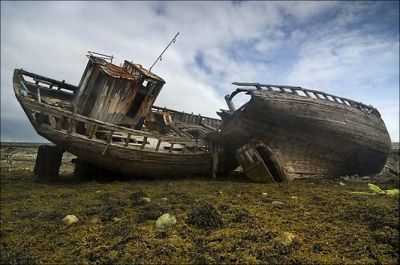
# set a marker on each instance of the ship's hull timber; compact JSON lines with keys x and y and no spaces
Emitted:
{"x":119,"y":149}
{"x":310,"y":137}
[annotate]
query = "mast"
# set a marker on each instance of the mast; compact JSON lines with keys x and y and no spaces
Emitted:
{"x":160,"y":57}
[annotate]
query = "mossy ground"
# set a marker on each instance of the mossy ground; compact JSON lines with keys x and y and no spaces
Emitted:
{"x":330,"y":224}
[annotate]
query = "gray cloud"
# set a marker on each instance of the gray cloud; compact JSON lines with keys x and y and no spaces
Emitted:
{"x":298,"y":43}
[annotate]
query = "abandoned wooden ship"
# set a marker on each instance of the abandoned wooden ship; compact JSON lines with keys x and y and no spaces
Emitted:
{"x":109,"y":120}
{"x":281,"y":133}
{"x":295,"y":132}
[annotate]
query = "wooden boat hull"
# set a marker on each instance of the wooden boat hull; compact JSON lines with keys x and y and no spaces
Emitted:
{"x":128,"y":161}
{"x":135,"y":153}
{"x":310,"y":137}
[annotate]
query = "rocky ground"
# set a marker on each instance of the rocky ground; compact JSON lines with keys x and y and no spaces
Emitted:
{"x":223,"y":221}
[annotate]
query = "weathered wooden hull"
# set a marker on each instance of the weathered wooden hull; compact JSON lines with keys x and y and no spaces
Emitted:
{"x":129,"y":161}
{"x":310,"y":137}
{"x":133,"y":152}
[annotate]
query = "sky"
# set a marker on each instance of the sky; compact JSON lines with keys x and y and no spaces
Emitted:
{"x":349,"y":49}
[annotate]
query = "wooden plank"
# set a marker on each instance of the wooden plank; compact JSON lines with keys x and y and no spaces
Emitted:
{"x":171,"y":147}
{"x":158,"y":145}
{"x":128,"y":138}
{"x":144,"y":142}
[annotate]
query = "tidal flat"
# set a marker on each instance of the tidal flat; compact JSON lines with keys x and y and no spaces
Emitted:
{"x":218,"y":221}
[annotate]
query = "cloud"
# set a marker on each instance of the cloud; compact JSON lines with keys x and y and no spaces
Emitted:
{"x":335,"y":47}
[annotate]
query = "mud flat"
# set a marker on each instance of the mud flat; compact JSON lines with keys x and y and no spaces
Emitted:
{"x":222,"y":221}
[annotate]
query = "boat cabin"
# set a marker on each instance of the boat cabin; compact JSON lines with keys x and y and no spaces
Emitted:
{"x":119,"y":95}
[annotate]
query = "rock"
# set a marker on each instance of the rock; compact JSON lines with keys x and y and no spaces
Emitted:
{"x":347,"y":178}
{"x":70,"y":219}
{"x":220,"y":193}
{"x":165,"y":221}
{"x":366,"y":178}
{"x":285,"y":238}
{"x":99,"y":191}
{"x":277,"y":203}
{"x":342,"y":184}
{"x":264,"y":194}
{"x":145,"y":200}
{"x":294,"y":197}
{"x":164,"y":199}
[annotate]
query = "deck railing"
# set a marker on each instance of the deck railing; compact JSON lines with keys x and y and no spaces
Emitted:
{"x":190,"y":118}
{"x":110,"y":134}
{"x":310,"y":93}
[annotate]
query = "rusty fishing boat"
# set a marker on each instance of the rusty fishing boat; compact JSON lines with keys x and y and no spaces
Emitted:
{"x":109,"y":121}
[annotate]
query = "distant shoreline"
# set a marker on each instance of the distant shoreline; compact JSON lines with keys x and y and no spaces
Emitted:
{"x":22,"y":144}
{"x":395,"y":145}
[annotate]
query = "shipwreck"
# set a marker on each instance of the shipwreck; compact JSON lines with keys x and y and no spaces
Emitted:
{"x":109,"y":121}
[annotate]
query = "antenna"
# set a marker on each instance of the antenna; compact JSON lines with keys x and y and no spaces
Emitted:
{"x":160,"y":57}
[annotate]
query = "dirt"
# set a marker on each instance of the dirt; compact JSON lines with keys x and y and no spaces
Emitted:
{"x":219,"y":221}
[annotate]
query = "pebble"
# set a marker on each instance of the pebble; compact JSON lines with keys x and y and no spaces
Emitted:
{"x":264,"y":194}
{"x":165,"y":221}
{"x":342,"y":184}
{"x":145,"y":199}
{"x":70,"y":219}
{"x":164,"y":199}
{"x":294,"y":197}
{"x":276,"y":203}
{"x":220,"y":193}
{"x":99,"y":191}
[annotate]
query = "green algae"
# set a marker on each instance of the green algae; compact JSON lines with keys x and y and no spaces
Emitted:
{"x":330,"y":225}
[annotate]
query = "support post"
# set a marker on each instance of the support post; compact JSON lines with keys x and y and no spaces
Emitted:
{"x":48,"y":162}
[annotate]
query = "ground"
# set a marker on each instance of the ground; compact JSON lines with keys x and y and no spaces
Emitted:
{"x":222,"y":221}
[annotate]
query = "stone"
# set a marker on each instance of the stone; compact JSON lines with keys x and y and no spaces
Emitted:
{"x":365,"y":178}
{"x":347,"y":178}
{"x":285,"y":238}
{"x":294,"y":197}
{"x":70,"y":219}
{"x":165,"y":221}
{"x":341,"y":183}
{"x":220,"y":193}
{"x":277,"y":203}
{"x":264,"y":194}
{"x":145,"y":199}
{"x":164,"y":199}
